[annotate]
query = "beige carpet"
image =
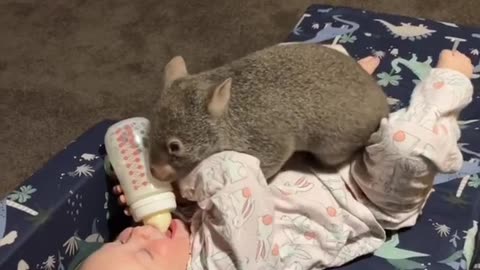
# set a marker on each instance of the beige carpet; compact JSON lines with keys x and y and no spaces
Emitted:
{"x":65,"y":65}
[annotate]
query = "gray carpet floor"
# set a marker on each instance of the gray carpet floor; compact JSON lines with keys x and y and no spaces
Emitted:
{"x":65,"y":65}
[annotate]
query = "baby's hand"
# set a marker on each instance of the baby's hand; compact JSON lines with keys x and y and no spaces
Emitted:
{"x":457,"y":61}
{"x":122,"y":200}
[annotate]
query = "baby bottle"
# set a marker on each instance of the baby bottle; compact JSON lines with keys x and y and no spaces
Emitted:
{"x":150,"y":201}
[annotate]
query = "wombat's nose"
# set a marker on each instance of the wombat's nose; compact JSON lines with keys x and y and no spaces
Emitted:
{"x":163,"y":172}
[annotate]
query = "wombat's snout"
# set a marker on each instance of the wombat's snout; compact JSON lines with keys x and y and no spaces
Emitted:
{"x":159,"y":166}
{"x":163,"y":172}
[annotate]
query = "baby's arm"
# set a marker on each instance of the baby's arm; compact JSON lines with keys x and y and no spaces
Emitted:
{"x":233,"y":228}
{"x":395,"y":174}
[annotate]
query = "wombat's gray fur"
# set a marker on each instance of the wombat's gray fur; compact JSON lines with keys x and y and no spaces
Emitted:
{"x":269,"y":104}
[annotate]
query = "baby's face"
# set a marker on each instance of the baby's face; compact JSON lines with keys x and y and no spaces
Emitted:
{"x":144,"y":248}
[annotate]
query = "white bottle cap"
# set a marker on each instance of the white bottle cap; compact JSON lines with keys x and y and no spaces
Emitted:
{"x":161,"y":202}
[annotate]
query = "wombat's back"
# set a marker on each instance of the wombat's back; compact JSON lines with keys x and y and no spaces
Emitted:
{"x":316,"y":95}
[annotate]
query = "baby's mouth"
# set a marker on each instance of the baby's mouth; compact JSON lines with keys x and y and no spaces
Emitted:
{"x":169,"y":233}
{"x":172,"y":230}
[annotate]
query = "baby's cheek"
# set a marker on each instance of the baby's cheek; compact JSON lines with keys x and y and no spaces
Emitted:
{"x":181,"y":249}
{"x":170,"y":247}
{"x":174,"y":252}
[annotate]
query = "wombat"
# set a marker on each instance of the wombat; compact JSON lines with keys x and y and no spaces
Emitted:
{"x":269,"y":104}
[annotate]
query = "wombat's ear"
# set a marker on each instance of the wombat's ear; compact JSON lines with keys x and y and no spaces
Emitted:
{"x":219,"y":98}
{"x":174,"y":69}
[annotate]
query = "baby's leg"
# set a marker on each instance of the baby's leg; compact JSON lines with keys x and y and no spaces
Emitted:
{"x":395,"y":173}
{"x":391,"y":177}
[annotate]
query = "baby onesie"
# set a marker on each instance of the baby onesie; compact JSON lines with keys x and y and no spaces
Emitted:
{"x":305,"y":218}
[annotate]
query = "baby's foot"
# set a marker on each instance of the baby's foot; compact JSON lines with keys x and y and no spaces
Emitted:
{"x":457,"y":61}
{"x":369,"y":63}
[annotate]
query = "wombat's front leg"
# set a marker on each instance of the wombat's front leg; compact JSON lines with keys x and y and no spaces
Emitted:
{"x":272,"y":161}
{"x":332,"y":159}
{"x":269,"y":170}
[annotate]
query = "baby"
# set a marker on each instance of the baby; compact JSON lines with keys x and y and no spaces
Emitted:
{"x":304,"y":218}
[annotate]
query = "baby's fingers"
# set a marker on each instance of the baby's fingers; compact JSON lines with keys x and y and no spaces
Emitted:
{"x":117,"y":190}
{"x":126,"y":211}
{"x":122,"y":201}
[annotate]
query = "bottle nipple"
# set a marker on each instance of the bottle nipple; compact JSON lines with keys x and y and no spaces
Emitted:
{"x":159,"y":220}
